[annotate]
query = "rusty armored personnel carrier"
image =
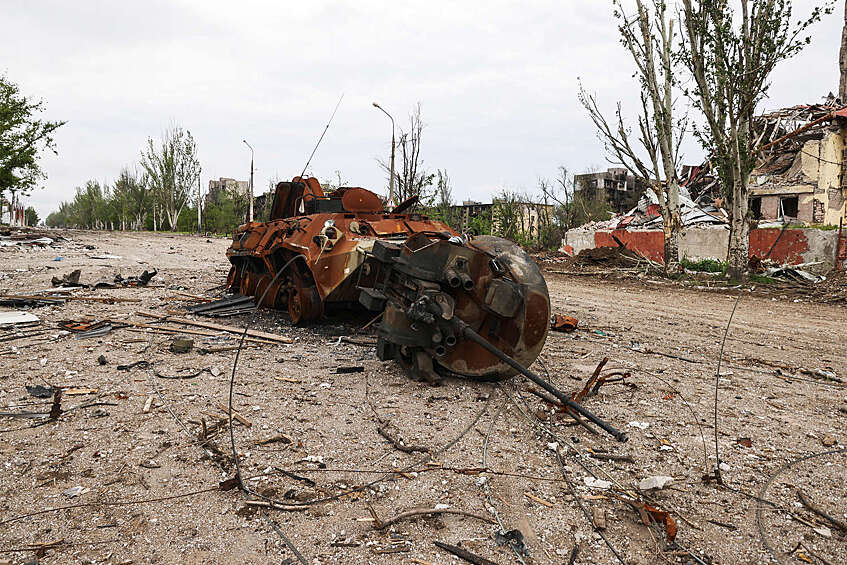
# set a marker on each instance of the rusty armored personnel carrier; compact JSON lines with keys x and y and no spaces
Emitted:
{"x":432,"y":284}
{"x":450,"y":304}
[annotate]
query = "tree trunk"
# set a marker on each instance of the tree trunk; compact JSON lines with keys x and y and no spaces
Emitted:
{"x":671,"y":252}
{"x":672,"y":227}
{"x":738,"y":251}
{"x":155,"y":219}
{"x":842,"y":61}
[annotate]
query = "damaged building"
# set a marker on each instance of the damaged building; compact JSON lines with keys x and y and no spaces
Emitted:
{"x":801,"y":175}
{"x":617,"y":186}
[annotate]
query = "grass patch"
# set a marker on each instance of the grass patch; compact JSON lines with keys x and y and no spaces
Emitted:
{"x":703,"y":265}
{"x":762,"y":279}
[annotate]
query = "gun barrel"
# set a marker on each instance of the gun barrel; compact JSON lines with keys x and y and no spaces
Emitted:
{"x":470,"y":334}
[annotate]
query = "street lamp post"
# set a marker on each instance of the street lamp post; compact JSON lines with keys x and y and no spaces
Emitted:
{"x":250,"y":210}
{"x":391,"y":180}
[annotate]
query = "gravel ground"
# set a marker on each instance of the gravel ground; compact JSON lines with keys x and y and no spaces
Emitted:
{"x":118,"y":462}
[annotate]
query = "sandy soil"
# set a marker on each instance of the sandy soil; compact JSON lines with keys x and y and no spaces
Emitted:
{"x":667,"y":338}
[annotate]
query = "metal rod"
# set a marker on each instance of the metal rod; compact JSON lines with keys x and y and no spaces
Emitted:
{"x":306,"y":166}
{"x":562,"y":397}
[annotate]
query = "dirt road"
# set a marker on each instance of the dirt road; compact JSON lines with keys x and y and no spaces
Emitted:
{"x":133,"y":474}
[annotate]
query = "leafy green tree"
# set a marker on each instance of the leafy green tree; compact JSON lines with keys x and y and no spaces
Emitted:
{"x":173,"y":171}
{"x":131,"y":199}
{"x":730,"y":57}
{"x":508,"y":217}
{"x":22,"y":137}
{"x":444,"y":207}
{"x":59,"y":218}
{"x":31,"y":216}
{"x":90,"y":207}
{"x":225,"y":211}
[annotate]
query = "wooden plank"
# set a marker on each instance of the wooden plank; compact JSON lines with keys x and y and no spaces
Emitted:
{"x":235,"y":415}
{"x":68,"y":297}
{"x":221,"y":327}
{"x":173,"y":330}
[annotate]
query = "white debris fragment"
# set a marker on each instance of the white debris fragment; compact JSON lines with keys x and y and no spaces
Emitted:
{"x":441,"y":506}
{"x":596,"y":483}
{"x":655,"y":482}
{"x":553,"y":446}
{"x":75,"y":491}
{"x":639,"y":425}
{"x":824,"y":531}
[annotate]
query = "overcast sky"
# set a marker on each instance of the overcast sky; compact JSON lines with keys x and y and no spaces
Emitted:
{"x":497,"y":83}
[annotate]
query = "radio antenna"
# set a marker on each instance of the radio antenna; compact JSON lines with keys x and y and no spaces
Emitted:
{"x":322,"y":136}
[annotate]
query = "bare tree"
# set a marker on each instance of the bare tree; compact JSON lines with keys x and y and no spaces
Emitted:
{"x":412,"y":178}
{"x":173,"y":170}
{"x":842,"y":61}
{"x":731,"y":60}
{"x":651,"y":41}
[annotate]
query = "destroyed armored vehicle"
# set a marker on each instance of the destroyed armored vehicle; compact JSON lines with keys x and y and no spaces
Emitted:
{"x":445,"y":298}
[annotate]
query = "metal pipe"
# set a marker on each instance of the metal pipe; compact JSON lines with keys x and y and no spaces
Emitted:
{"x":467,"y":281}
{"x":452,"y":278}
{"x":562,"y":397}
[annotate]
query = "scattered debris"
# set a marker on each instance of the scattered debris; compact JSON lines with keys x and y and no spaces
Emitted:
{"x":562,"y":323}
{"x":278,"y":438}
{"x":141,"y":280}
{"x":75,"y":491}
{"x":17,"y":319}
{"x":596,"y":483}
{"x":657,"y":482}
{"x":347,"y":370}
{"x":225,"y":307}
{"x":513,"y":539}
{"x":599,"y":518}
{"x":220,"y":327}
{"x":806,"y":501}
{"x":21,"y":240}
{"x":181,"y":344}
{"x":40,"y":391}
{"x":69,"y":280}
{"x":464,"y":554}
{"x":415,"y":512}
{"x":87,"y":329}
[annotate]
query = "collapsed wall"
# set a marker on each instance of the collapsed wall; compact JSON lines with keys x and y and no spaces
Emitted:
{"x":793,"y":246}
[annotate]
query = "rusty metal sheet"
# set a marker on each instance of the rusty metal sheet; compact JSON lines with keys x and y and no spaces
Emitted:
{"x":562,"y":323}
{"x":389,"y":226}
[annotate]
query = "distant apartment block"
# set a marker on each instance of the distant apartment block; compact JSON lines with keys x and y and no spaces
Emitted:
{"x":620,"y":188}
{"x":222,"y":185}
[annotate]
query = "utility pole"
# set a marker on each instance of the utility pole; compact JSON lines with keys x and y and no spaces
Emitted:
{"x":199,"y":202}
{"x":391,"y":180}
{"x":250,"y":210}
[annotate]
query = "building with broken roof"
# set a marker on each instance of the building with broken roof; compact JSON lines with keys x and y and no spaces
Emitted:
{"x":801,"y":172}
{"x":620,"y":188}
